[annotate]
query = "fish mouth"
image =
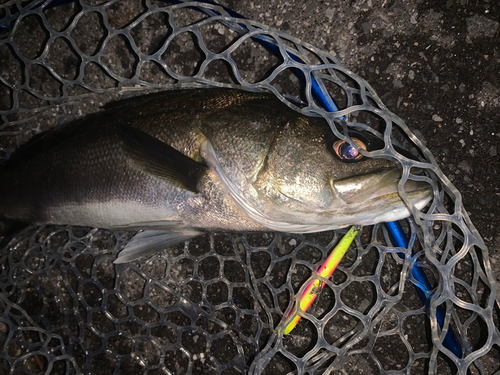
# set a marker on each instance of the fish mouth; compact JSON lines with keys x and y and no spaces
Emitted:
{"x":380,"y":184}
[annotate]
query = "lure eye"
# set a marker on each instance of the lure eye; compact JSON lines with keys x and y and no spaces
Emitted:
{"x":347,"y":152}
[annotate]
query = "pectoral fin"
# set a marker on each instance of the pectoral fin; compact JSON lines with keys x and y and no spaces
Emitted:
{"x":151,"y":241}
{"x":160,"y":159}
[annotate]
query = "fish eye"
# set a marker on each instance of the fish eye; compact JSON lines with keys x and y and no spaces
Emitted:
{"x":345,"y":151}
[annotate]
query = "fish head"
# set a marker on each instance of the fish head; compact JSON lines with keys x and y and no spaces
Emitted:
{"x":298,"y":177}
{"x":314,"y":181}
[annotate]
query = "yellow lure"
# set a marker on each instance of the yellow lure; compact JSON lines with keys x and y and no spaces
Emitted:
{"x":331,"y":263}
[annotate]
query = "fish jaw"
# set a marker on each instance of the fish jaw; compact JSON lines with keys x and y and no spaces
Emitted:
{"x":361,"y":188}
{"x":388,"y":207}
{"x":373,"y":198}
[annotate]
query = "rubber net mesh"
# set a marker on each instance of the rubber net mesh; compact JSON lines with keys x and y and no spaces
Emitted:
{"x":215,"y":304}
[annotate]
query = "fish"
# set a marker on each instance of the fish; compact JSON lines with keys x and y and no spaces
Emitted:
{"x":176,"y":164}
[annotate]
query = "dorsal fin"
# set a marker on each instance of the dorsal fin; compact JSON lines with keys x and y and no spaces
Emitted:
{"x":160,"y":159}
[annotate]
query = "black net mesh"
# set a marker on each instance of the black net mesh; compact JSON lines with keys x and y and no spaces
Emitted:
{"x":216,"y":304}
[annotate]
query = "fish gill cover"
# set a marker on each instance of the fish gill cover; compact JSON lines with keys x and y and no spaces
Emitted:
{"x":215,"y":304}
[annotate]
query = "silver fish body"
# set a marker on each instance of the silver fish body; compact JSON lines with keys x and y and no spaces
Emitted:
{"x":179,"y":162}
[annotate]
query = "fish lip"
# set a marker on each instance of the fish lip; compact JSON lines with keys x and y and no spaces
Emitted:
{"x":361,"y":188}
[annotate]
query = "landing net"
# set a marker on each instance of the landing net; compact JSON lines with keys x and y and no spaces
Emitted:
{"x":215,"y":305}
